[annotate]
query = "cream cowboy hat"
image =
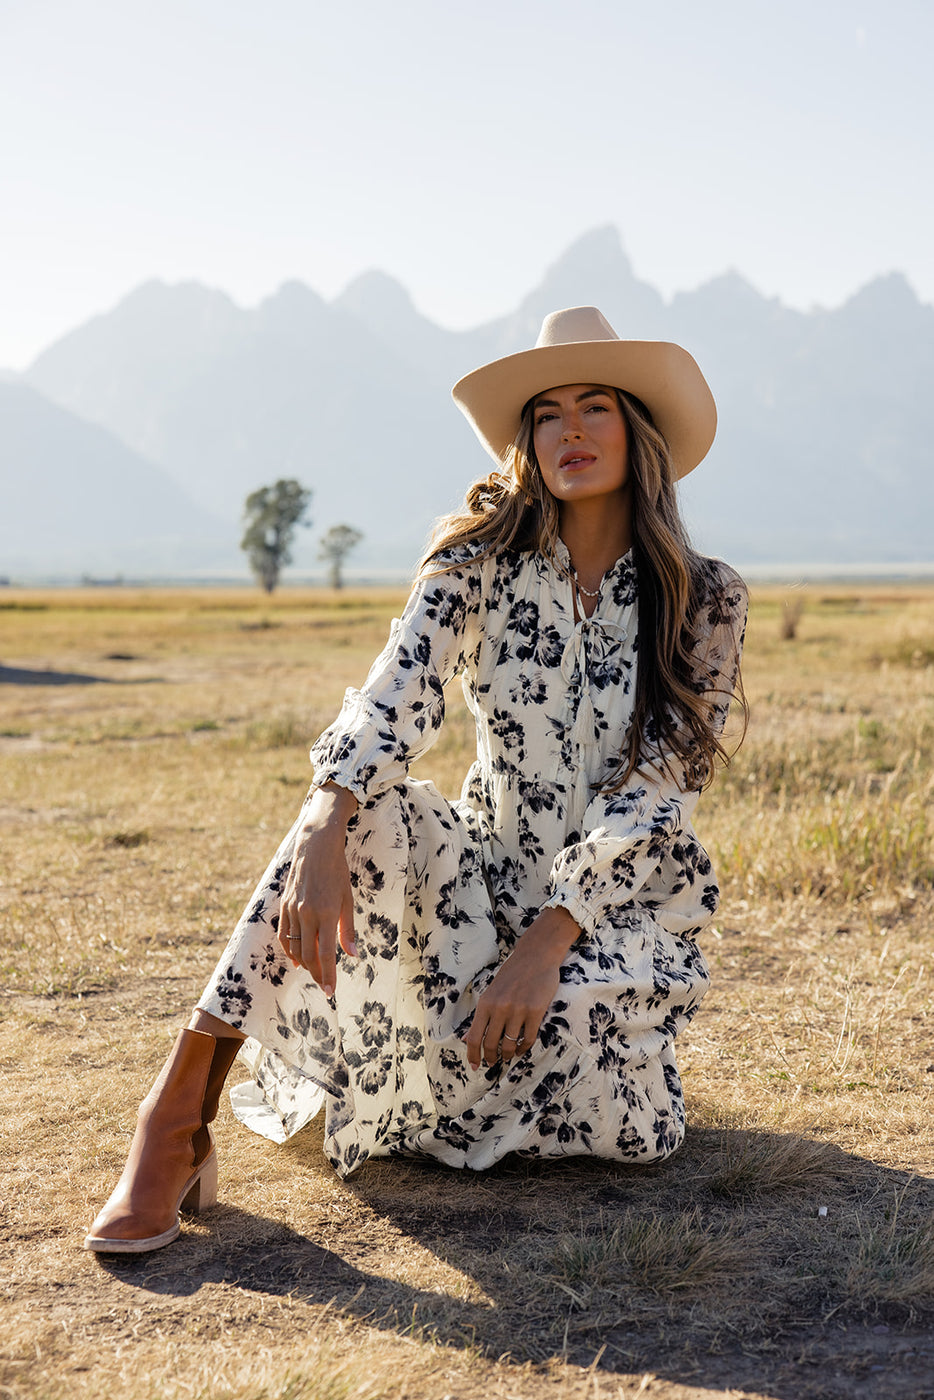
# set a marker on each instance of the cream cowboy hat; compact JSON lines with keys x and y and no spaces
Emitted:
{"x":579,"y":346}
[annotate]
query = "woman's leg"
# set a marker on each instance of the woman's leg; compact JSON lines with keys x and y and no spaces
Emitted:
{"x":172,"y":1160}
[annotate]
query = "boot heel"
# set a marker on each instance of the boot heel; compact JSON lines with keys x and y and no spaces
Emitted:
{"x":203,"y":1193}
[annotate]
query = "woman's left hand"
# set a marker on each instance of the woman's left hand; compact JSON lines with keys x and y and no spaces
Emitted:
{"x":510,"y":1011}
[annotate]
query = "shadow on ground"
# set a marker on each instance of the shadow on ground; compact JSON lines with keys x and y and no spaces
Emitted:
{"x":794,"y":1318}
{"x":18,"y":675}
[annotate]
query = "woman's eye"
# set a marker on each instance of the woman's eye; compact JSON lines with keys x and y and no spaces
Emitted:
{"x":543,"y":418}
{"x":597,"y":408}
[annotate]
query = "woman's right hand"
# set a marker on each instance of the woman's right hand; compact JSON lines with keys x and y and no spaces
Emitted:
{"x":317,"y":903}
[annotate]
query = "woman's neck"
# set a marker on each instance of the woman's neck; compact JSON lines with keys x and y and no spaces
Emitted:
{"x":596,"y":532}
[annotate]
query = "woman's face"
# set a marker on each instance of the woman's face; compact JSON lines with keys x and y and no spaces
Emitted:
{"x":579,"y":436}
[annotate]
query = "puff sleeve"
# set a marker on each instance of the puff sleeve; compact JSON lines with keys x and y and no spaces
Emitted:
{"x":629,"y":834}
{"x":397,"y":714}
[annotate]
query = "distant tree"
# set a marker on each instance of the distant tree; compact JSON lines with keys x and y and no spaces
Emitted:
{"x":337,"y":543}
{"x":270,"y":516}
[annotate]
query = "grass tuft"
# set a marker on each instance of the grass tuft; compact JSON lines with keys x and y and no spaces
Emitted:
{"x":681,"y":1252}
{"x":128,"y":840}
{"x":661,"y":1254}
{"x":750,"y":1163}
{"x":895,"y":1259}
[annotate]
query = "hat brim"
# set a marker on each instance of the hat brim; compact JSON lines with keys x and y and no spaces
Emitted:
{"x":664,"y":376}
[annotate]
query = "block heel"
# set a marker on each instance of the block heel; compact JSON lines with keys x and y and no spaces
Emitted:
{"x":202,"y":1193}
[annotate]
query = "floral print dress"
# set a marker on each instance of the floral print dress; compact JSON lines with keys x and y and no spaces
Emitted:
{"x":443,"y":890}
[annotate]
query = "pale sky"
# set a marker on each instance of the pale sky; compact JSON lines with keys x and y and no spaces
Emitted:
{"x":459,"y":147}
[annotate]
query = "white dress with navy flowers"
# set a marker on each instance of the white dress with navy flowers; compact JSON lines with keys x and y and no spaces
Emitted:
{"x":443,"y":890}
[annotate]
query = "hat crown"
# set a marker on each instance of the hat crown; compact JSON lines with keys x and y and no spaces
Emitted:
{"x":573,"y":324}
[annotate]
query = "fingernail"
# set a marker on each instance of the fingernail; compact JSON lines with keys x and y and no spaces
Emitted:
{"x":352,"y":949}
{"x":328,"y":990}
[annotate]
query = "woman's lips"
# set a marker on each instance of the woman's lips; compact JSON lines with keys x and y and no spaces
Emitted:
{"x":574,"y":461}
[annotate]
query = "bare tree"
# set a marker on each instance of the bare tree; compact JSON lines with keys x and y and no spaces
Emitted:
{"x":270,"y":516}
{"x":337,"y":543}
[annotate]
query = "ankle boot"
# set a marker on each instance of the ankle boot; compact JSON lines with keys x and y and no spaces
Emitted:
{"x":172,"y":1161}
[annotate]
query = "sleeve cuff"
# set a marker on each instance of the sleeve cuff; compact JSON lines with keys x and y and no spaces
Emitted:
{"x":569,"y":897}
{"x":324,"y":775}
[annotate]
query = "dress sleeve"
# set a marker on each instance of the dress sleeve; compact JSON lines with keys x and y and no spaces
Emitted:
{"x":396,"y":716}
{"x":628,"y":833}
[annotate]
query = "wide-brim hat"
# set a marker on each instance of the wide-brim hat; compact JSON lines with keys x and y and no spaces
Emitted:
{"x":579,"y":346}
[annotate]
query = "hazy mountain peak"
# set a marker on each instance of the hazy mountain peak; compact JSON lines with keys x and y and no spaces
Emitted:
{"x":154,"y":313}
{"x":890,"y":296}
{"x":381,"y":304}
{"x":155,"y":291}
{"x":172,"y":304}
{"x":292,"y":315}
{"x":375,"y":296}
{"x":584,"y":271}
{"x":602,"y":247}
{"x":730,"y":302}
{"x":293,"y":298}
{"x":734,"y":285}
{"x":593,"y":271}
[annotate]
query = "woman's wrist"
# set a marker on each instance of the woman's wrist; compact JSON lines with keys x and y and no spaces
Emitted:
{"x":552,"y":934}
{"x":331,"y":806}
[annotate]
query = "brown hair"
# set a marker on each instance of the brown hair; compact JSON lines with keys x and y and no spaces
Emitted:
{"x":513,"y":509}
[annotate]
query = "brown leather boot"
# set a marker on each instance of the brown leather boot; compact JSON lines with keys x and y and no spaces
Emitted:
{"x":172,"y":1161}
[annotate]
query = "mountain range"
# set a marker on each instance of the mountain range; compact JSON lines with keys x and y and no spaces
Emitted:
{"x":131,"y":442}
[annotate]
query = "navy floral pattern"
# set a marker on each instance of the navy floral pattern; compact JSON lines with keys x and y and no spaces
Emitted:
{"x":443,"y":890}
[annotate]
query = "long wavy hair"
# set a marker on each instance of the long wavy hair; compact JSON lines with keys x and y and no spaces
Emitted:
{"x":513,"y":509}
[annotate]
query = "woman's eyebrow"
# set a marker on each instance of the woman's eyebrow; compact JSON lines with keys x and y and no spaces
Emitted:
{"x":587,"y":394}
{"x":592,"y":393}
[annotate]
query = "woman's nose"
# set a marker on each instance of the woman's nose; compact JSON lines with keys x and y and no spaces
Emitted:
{"x":570,"y":430}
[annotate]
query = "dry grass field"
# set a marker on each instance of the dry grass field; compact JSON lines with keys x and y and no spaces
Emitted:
{"x":152,"y":750}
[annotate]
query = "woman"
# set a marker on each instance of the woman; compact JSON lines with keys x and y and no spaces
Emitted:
{"x":507,"y":973}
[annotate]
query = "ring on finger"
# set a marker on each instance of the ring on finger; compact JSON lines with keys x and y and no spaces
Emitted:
{"x":515,"y":1038}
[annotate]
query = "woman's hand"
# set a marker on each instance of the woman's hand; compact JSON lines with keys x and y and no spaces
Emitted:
{"x":317,"y":904}
{"x":510,"y":1011}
